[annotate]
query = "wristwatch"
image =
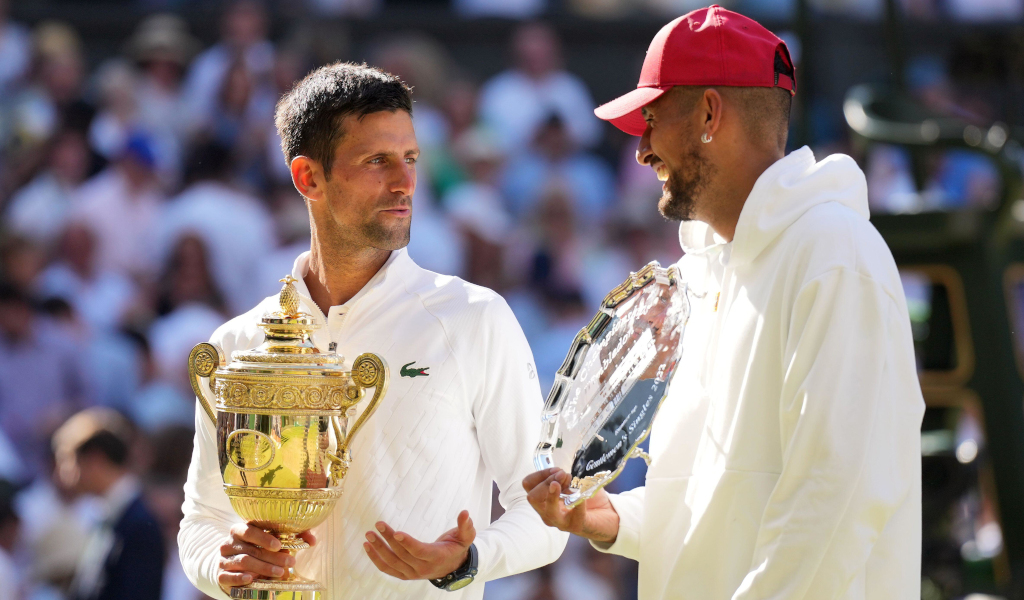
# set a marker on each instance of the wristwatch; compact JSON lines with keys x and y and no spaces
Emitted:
{"x":461,"y":577}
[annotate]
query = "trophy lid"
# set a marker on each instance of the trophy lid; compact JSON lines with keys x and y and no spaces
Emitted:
{"x":288,"y":335}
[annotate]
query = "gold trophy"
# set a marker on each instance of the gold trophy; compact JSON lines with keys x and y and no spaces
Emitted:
{"x":281,"y":413}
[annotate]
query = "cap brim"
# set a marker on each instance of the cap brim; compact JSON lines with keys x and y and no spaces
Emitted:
{"x":624,"y":111}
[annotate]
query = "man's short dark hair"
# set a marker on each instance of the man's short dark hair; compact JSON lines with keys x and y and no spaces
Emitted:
{"x":764,"y":110}
{"x":308,"y":118}
{"x":108,"y":444}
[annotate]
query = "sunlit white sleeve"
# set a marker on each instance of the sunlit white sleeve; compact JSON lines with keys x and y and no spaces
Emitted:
{"x":207,"y":510}
{"x":506,"y":410}
{"x":850,"y":421}
{"x":629,"y":506}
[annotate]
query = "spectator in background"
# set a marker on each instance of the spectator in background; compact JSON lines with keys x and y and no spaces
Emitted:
{"x":156,"y":402}
{"x":459,"y":104}
{"x":165,"y":490}
{"x":15,"y":51}
{"x":11,"y":468}
{"x":121,"y":206}
{"x":550,"y":306}
{"x":10,"y":526}
{"x":21,"y":261}
{"x":236,"y":229}
{"x":108,"y":360}
{"x":555,"y":160}
{"x":290,"y":65}
{"x":479,"y":211}
{"x":243,"y":38}
{"x":954,"y":178}
{"x":55,"y":526}
{"x":239,"y":120}
{"x":117,"y":112}
{"x":39,"y":210}
{"x":517,"y":102}
{"x":125,"y":555}
{"x":162,"y":48}
{"x":100,"y":297}
{"x":186,"y":278}
{"x":41,"y":379}
{"x":50,"y":100}
{"x":54,"y":95}
{"x":291,"y":221}
{"x":891,"y":187}
{"x":190,"y":307}
{"x":508,"y":9}
{"x":424,"y":65}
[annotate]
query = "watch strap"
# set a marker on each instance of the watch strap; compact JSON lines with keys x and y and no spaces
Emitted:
{"x":467,"y":570}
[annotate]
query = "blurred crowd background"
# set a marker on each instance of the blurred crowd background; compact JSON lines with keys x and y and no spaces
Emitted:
{"x":144,"y":201}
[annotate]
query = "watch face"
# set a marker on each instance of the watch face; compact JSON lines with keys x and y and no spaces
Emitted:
{"x":458,"y":585}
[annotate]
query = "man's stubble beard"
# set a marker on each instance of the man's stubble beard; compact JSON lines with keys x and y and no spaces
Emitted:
{"x":337,"y":238}
{"x":382,"y":238}
{"x":679,"y":201}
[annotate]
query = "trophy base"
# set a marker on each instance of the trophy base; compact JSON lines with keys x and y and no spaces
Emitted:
{"x":275,"y":589}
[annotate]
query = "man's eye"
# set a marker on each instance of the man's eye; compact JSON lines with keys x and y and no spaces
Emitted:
{"x":411,"y":160}
{"x":377,"y":161}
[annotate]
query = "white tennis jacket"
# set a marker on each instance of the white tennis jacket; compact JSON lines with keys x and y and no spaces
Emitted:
{"x":786,"y":460}
{"x":465,"y":413}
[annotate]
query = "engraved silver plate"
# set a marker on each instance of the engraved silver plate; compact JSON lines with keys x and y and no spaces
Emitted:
{"x":614,"y":379}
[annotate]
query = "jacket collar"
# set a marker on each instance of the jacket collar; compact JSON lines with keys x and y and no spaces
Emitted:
{"x":389,"y":275}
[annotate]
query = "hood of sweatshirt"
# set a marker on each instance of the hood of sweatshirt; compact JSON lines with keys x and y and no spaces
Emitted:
{"x":781,"y":195}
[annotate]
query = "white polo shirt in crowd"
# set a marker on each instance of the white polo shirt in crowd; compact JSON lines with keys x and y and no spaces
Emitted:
{"x":433,"y":448}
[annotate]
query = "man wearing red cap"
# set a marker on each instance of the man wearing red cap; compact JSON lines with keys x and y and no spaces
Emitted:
{"x":786,"y":460}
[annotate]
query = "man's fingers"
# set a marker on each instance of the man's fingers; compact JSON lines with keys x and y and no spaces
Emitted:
{"x":281,"y":559}
{"x":256,"y":536}
{"x":309,"y":537}
{"x":413,"y":546}
{"x":389,"y":535}
{"x":466,"y":532}
{"x":541,"y":494}
{"x":531,"y":480}
{"x":378,"y":562}
{"x":546,"y":500}
{"x":245,"y":563}
{"x":388,"y":555}
{"x":227,"y":579}
{"x":377,"y":548}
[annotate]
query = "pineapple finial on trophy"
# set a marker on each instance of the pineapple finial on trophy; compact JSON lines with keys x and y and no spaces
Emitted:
{"x":289,"y":297}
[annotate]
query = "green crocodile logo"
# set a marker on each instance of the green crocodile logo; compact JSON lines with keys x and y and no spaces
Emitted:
{"x":415,"y":372}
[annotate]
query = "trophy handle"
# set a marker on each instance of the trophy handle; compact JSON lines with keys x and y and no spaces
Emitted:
{"x":368,"y":370}
{"x":202,"y":362}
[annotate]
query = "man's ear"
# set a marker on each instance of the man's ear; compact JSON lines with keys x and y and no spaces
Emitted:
{"x":308,"y":177}
{"x":711,"y":107}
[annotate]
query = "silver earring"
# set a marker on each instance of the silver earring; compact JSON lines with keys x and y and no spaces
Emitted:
{"x":704,"y":137}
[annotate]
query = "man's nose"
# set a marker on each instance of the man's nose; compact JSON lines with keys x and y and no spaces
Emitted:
{"x":643,"y":148}
{"x":405,"y":180}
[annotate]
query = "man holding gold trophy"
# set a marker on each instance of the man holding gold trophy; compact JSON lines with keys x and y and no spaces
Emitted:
{"x":786,"y":461}
{"x":282,"y":422}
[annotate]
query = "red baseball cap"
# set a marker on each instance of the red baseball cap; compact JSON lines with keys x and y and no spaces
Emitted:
{"x":709,"y":46}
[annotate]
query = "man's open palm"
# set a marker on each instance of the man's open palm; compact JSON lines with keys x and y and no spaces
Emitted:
{"x":400,"y":555}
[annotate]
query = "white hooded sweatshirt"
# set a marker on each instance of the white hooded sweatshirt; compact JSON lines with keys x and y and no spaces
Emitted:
{"x":786,"y":460}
